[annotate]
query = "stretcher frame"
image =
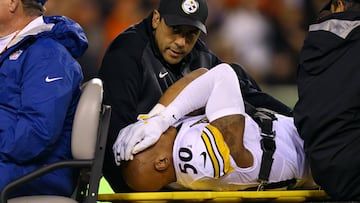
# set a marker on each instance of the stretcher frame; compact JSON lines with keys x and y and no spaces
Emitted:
{"x":218,"y":196}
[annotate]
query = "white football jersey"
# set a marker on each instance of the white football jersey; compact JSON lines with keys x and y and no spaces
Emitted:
{"x":202,"y":159}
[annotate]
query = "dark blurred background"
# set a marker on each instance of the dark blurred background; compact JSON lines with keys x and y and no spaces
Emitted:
{"x":265,"y":36}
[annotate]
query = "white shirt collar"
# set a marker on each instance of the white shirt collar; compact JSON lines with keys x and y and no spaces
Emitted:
{"x":34,"y":23}
{"x":5,"y":40}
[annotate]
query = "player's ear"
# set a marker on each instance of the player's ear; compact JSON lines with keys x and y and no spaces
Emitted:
{"x":156,"y":19}
{"x":162,"y":163}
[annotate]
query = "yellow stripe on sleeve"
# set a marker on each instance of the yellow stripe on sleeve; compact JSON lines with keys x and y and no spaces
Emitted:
{"x":218,"y":151}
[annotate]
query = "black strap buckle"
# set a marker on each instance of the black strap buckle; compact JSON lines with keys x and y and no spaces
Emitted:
{"x":264,"y":118}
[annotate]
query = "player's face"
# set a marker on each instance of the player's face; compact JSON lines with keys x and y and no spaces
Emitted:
{"x":152,"y":169}
{"x":174,"y":42}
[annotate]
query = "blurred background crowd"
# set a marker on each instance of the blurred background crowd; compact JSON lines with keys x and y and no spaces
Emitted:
{"x":265,"y":36}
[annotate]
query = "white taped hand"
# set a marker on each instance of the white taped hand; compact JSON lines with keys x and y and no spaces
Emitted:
{"x":150,"y":131}
{"x":121,"y":138}
{"x":139,"y":136}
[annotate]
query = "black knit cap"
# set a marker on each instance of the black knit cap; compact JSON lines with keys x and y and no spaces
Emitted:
{"x":184,"y":12}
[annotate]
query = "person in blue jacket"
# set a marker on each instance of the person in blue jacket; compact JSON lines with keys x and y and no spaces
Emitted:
{"x":39,"y":91}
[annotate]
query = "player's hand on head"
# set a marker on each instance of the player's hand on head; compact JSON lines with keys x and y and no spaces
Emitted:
{"x":138,"y":136}
{"x":122,"y":138}
{"x":150,"y":132}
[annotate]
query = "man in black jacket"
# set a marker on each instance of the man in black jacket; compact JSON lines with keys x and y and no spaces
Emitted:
{"x":143,"y":61}
{"x":327,"y":113}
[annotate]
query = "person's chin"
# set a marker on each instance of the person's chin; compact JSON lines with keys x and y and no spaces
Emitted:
{"x":173,"y":60}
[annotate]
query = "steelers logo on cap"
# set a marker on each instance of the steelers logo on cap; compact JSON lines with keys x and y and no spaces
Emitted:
{"x":190,"y":6}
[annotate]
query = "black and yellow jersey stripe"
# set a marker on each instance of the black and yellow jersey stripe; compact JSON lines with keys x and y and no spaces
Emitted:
{"x":217,"y":150}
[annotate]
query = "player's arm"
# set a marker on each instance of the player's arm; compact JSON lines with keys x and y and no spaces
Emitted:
{"x":232,"y":128}
{"x":174,"y":90}
{"x":219,"y":91}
